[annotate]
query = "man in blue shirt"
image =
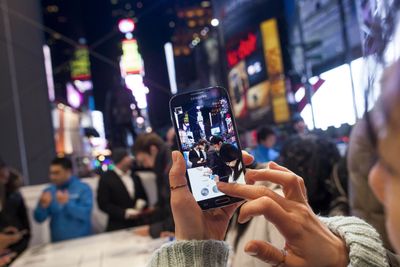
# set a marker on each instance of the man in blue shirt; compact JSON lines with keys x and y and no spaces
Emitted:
{"x":264,"y":151}
{"x":68,"y":202}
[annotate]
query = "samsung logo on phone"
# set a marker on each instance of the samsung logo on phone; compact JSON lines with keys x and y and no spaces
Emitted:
{"x":198,"y":97}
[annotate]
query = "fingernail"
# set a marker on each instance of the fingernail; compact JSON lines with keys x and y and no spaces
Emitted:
{"x":174,"y":156}
{"x":221,"y":185}
{"x":252,"y":250}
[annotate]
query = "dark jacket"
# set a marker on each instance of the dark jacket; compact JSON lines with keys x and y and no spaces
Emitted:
{"x":114,"y":199}
{"x":194,"y":158}
{"x":14,"y":214}
{"x":217,"y":165}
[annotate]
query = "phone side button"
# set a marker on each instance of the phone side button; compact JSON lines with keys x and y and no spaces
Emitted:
{"x":223,"y":200}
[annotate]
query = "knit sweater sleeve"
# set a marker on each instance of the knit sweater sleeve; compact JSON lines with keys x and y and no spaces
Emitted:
{"x":362,"y":240}
{"x":196,"y":253}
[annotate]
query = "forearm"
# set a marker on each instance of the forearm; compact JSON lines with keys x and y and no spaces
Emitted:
{"x":362,"y":240}
{"x":40,"y":214}
{"x":196,"y":253}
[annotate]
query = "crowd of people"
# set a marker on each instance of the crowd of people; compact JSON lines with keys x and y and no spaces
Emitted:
{"x":68,"y":202}
{"x":289,"y":182}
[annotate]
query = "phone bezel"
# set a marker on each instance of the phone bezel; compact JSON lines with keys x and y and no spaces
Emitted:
{"x":211,"y":203}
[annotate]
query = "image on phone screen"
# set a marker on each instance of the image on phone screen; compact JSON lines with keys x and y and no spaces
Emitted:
{"x":208,"y":141}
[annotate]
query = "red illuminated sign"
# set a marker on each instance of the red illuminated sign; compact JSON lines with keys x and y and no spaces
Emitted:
{"x":246,"y":47}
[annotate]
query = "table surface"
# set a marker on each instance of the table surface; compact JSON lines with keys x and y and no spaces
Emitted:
{"x":115,"y":249}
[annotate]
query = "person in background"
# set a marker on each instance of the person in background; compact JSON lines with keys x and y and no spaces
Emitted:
{"x":214,"y":159}
{"x":265,"y":152}
{"x":170,"y":138}
{"x":67,"y":202}
{"x":153,"y":153}
{"x":14,"y":222}
{"x":121,"y":194}
{"x":314,"y":158}
{"x":196,"y":155}
{"x":361,"y":158}
{"x":299,"y":125}
{"x":231,"y":155}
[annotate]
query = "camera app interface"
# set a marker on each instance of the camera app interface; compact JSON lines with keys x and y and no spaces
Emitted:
{"x":208,"y":143}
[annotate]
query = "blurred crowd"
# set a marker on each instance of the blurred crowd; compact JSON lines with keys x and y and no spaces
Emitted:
{"x":336,"y":185}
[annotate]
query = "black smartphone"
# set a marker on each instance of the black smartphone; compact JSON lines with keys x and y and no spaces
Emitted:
{"x":207,"y":137}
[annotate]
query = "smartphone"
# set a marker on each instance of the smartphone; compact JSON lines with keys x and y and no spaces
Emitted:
{"x":208,"y":139}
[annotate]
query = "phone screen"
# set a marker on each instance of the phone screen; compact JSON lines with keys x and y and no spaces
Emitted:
{"x":208,"y":141}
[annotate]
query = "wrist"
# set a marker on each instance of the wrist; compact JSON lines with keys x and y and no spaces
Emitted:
{"x":342,"y":254}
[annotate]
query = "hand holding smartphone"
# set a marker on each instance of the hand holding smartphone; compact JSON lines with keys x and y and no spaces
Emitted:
{"x":204,"y":119}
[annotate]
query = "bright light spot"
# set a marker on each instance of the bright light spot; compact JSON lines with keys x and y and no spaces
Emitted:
{"x":126,"y":25}
{"x":128,"y":35}
{"x":139,"y":90}
{"x":214,"y":22}
{"x":205,"y":4}
{"x":313,"y":80}
{"x":169,"y":56}
{"x":86,"y":161}
{"x":254,"y":68}
{"x":83,"y":86}
{"x":104,"y":168}
{"x":299,"y":95}
{"x":140,"y":120}
{"x":133,"y":106}
{"x":102,"y":158}
{"x":149,"y":129}
{"x":73,"y":96}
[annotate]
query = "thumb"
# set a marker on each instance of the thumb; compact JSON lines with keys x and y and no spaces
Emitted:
{"x":178,"y":170}
{"x":265,"y":252}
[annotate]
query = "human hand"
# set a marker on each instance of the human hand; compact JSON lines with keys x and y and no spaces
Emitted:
{"x":142,"y":230}
{"x":308,"y":241}
{"x":62,"y":197}
{"x":45,"y":200}
{"x":191,"y":222}
{"x":167,"y":234}
{"x":10,"y":230}
{"x":7,"y":240}
{"x":6,"y":259}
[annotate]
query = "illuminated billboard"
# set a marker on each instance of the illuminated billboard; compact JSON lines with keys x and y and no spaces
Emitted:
{"x":80,"y":64}
{"x":131,"y":61}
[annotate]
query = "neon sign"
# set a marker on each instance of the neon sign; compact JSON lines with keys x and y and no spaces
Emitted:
{"x":246,"y":47}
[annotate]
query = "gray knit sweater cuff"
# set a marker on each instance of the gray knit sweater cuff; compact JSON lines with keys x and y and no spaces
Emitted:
{"x":362,"y":240}
{"x":210,"y":253}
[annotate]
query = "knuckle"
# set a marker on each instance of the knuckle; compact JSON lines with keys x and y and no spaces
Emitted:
{"x":265,"y":202}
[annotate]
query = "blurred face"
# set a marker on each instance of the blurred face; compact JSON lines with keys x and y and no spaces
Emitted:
{"x":300,"y":126}
{"x":217,"y":147}
{"x":4,"y":175}
{"x":270,"y":141}
{"x":126,"y":163}
{"x":59,"y":175}
{"x":147,"y":160}
{"x":200,"y":147}
{"x":384,"y":178}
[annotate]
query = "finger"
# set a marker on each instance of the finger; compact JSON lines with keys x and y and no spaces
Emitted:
{"x":247,"y":158}
{"x":180,"y":197}
{"x":177,"y":174}
{"x":271,"y":210}
{"x":249,"y":192}
{"x":276,"y":166}
{"x":291,"y":183}
{"x":264,"y":251}
{"x":230,"y":210}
